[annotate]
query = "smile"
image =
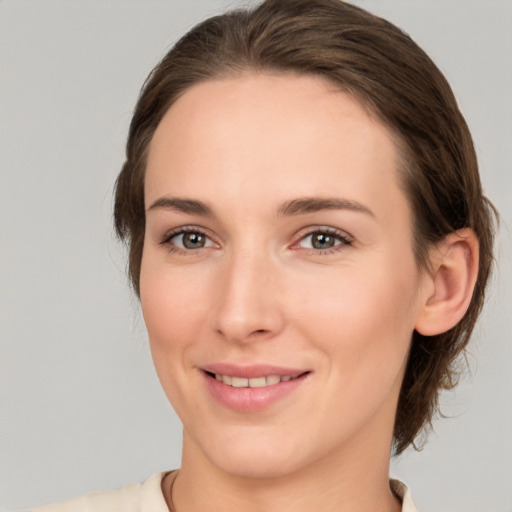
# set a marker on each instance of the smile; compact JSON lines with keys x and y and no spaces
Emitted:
{"x":254,"y":382}
{"x":254,"y":388}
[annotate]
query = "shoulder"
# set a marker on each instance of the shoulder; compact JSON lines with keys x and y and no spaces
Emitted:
{"x":146,"y":497}
{"x":404,"y":494}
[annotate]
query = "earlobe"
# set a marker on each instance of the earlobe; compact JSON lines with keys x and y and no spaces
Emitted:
{"x":452,"y":278}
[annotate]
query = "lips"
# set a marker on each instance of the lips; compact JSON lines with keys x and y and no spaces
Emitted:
{"x":251,"y":388}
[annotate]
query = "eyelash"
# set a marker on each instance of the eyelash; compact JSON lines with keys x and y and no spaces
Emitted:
{"x":166,"y":241}
{"x":344,"y":239}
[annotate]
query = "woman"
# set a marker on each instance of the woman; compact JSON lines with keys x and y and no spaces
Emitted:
{"x":310,"y":244}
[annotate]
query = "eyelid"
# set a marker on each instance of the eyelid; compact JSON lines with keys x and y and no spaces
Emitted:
{"x":169,"y":235}
{"x":345,"y":238}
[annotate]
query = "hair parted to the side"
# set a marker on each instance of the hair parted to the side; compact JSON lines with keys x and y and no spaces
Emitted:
{"x":394,"y":79}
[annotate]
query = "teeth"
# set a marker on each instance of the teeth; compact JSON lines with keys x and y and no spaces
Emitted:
{"x":255,"y":382}
{"x":272,"y":379}
{"x":239,"y":382}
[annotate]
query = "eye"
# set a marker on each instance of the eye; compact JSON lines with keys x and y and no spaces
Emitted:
{"x":322,"y":240}
{"x":187,"y":240}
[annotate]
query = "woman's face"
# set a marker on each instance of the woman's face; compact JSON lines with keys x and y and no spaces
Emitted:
{"x":278,"y":283}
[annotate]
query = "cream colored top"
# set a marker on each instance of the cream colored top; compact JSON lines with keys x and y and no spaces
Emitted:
{"x":148,"y":497}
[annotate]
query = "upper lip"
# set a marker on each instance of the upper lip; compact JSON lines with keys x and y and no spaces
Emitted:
{"x":251,"y":371}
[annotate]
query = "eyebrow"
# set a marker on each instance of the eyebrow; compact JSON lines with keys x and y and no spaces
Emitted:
{"x":315,"y":204}
{"x":190,"y":206}
{"x":293,"y":207}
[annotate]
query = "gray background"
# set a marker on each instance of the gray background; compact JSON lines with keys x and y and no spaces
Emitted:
{"x":81,"y":408}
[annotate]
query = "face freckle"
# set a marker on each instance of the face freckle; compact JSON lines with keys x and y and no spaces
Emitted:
{"x":305,"y":263}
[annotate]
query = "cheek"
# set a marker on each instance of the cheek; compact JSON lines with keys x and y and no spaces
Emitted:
{"x":173,"y":313}
{"x":172,"y":302}
{"x":362,"y":319}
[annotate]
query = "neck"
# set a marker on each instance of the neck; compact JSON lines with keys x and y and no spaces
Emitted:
{"x":350,"y":479}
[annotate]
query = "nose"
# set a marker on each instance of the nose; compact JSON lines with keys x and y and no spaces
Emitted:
{"x":248,"y":301}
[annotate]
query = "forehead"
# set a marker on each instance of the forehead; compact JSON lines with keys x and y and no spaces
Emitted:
{"x":309,"y":106}
{"x":272,"y":135}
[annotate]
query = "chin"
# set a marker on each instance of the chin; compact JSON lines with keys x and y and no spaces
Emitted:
{"x":257,"y":467}
{"x":254,"y":455}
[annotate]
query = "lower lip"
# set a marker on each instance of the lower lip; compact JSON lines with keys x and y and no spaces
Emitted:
{"x":251,"y":399}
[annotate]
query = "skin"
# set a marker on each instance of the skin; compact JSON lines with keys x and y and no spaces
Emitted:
{"x":258,"y":291}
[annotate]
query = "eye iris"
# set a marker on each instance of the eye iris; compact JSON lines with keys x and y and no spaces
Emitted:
{"x":193,"y":240}
{"x":322,"y":241}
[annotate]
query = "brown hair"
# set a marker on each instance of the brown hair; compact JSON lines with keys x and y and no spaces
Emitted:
{"x":391,"y":76}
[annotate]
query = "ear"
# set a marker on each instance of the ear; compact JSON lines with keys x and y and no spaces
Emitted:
{"x":450,"y":282}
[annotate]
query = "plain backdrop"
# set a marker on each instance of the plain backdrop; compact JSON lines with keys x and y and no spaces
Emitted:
{"x":81,"y":408}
